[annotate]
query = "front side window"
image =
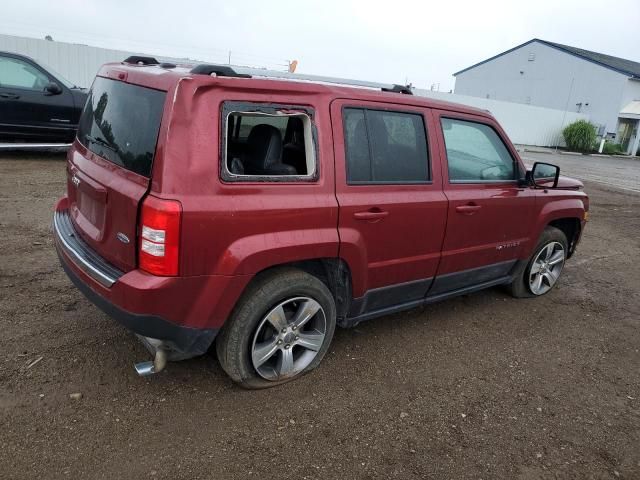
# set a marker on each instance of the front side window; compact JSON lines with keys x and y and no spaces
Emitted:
{"x":475,"y":152}
{"x":385,"y":146}
{"x":120,"y":122}
{"x":16,"y":73}
{"x":267,"y":143}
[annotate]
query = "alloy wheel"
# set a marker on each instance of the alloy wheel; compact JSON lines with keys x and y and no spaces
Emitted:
{"x":546,"y":268}
{"x":288,"y":338}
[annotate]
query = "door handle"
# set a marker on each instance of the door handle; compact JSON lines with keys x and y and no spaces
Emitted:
{"x":468,"y":209}
{"x":374,"y":214}
{"x":10,"y":96}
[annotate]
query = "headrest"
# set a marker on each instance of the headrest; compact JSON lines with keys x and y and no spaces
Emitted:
{"x":265,"y":147}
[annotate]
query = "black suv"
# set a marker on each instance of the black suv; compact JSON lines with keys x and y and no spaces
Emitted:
{"x":36,"y":104}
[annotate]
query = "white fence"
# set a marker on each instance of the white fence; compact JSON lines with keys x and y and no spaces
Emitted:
{"x":525,"y":124}
{"x":80,"y":63}
{"x":75,"y":62}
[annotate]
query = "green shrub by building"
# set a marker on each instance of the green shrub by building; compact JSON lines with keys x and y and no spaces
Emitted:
{"x":612,"y":149}
{"x":580,"y":136}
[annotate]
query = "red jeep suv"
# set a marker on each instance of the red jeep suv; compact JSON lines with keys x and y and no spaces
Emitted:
{"x":204,"y":205}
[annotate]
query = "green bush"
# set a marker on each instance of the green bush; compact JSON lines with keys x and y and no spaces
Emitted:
{"x":612,"y":149}
{"x":580,"y":136}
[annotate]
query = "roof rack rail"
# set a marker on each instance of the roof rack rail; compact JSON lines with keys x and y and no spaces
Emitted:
{"x":406,"y":89}
{"x":219,"y":70}
{"x":248,"y":72}
{"x":138,"y":60}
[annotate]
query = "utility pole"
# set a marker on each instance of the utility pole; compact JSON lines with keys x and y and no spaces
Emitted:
{"x":229,"y":61}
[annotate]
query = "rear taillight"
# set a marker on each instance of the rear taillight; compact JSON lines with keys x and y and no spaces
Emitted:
{"x":159,"y":246}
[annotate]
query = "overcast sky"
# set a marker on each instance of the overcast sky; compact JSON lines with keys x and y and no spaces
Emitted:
{"x":389,"y":41}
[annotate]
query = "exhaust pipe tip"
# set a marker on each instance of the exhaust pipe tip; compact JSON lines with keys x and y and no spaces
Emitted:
{"x":145,"y":369}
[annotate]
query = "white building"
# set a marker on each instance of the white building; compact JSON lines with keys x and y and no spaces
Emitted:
{"x":548,"y":74}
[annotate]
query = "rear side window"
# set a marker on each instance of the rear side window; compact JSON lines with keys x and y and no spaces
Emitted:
{"x":475,"y":152}
{"x":120,"y":122}
{"x":385,"y":146}
{"x":268,"y":143}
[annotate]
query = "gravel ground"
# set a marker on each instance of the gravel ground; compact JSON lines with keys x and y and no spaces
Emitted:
{"x":482,"y":386}
{"x":621,"y":173}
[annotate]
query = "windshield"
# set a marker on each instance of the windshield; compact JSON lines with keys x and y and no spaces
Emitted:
{"x":120,"y":122}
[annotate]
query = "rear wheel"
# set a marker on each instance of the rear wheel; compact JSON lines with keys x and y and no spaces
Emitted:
{"x":543,"y":270}
{"x":280,"y":329}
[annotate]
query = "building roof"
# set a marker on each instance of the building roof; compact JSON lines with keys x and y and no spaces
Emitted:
{"x":620,"y":65}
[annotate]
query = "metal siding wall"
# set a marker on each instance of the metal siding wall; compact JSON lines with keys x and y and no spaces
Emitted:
{"x":77,"y":63}
{"x":631,"y":92}
{"x":525,"y":124}
{"x":555,"y":80}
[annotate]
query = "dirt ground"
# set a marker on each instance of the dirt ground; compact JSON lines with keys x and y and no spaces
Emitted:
{"x":622,"y":173}
{"x":483,"y":386}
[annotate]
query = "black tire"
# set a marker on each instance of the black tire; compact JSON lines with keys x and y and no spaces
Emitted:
{"x":519,"y":287}
{"x":235,"y":341}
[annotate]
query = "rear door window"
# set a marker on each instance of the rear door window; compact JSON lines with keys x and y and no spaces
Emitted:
{"x":385,"y":146}
{"x":120,"y":122}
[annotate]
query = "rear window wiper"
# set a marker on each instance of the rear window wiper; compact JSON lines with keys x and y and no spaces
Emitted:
{"x":101,"y":141}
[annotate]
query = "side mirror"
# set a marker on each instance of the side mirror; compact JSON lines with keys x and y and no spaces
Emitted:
{"x":544,"y":175}
{"x":52,"y":88}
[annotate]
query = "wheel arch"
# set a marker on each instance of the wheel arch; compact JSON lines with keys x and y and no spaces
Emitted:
{"x":334,"y":272}
{"x":571,"y":227}
{"x":565,"y":214}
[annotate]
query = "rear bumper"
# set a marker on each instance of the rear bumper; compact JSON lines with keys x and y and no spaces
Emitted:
{"x":183,"y":342}
{"x":80,"y":253}
{"x":185,"y":312}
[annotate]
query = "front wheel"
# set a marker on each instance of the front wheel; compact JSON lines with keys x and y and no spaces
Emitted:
{"x":280,"y":329}
{"x":542,"y":271}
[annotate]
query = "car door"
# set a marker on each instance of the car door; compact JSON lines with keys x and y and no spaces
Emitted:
{"x":392,"y":209}
{"x":490,"y":212}
{"x":27,"y":110}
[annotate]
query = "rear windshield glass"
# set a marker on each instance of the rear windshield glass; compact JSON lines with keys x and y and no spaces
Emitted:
{"x":120,"y":122}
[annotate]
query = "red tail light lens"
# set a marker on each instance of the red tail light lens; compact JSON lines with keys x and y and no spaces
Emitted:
{"x":159,"y":247}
